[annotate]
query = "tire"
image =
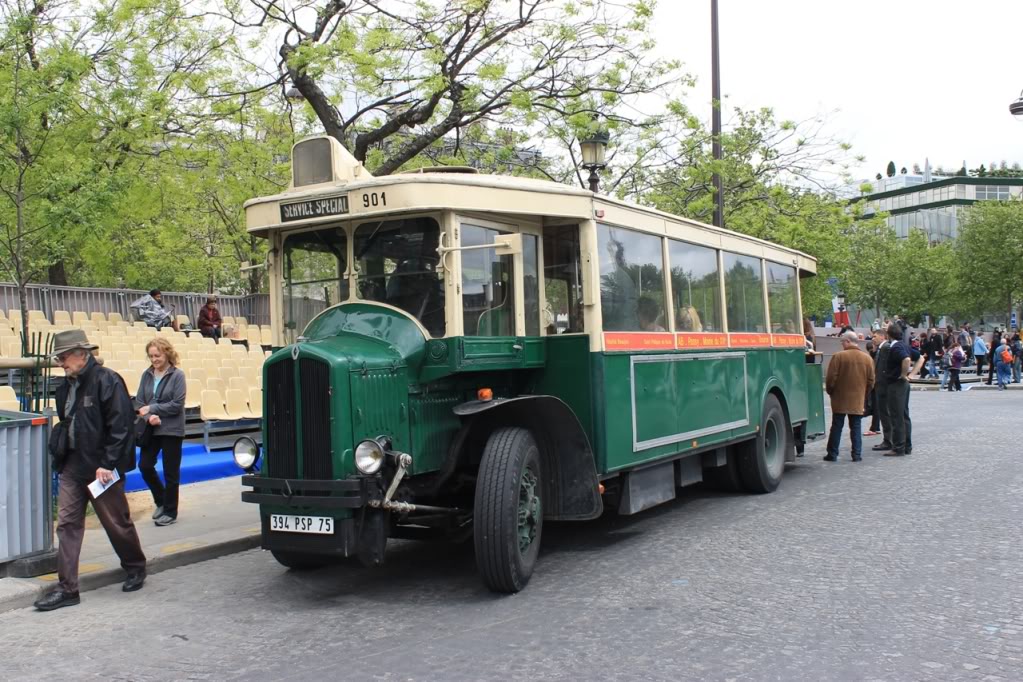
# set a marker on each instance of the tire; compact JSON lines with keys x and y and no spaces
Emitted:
{"x":726,"y":477}
{"x":762,"y":460}
{"x":508,"y":512}
{"x":297,"y":561}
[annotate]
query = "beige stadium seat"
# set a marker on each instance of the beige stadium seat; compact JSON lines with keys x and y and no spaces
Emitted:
{"x":7,"y":393}
{"x":236,"y":403}
{"x":241,"y":321}
{"x":228,"y":371}
{"x":117,"y":331}
{"x":139,"y":365}
{"x":37,"y":316}
{"x":119,"y":345}
{"x":193,"y":393}
{"x":131,"y":379}
{"x":212,"y":367}
{"x":124,"y":357}
{"x":239,"y":382}
{"x":115,"y":318}
{"x":183,"y":320}
{"x":207,"y":342}
{"x":10,"y":405}
{"x":5,"y":330}
{"x":253,"y":336}
{"x":98,"y":317}
{"x":216,"y":384}
{"x":256,"y":402}
{"x":61,"y":317}
{"x":259,"y":380}
{"x":211,"y":406}
{"x":79,"y":316}
{"x":228,"y":321}
{"x":11,"y":346}
{"x":198,"y":374}
{"x":265,"y":337}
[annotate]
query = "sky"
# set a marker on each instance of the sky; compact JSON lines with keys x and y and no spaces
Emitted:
{"x":905,"y":79}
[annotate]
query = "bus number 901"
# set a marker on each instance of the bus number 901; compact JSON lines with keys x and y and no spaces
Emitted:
{"x":372,"y":199}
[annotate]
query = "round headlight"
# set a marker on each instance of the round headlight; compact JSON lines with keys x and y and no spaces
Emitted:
{"x":369,"y":456}
{"x":246,"y":452}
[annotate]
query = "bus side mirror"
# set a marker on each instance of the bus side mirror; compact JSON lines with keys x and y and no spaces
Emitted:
{"x":508,"y":245}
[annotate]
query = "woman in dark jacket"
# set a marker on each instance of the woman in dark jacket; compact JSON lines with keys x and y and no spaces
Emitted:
{"x":161,"y":402}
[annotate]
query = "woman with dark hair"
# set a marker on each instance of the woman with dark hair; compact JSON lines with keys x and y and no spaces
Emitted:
{"x":809,"y":335}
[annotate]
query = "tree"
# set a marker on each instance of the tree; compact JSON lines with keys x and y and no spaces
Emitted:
{"x":868,"y":281}
{"x":389,"y":78}
{"x":989,"y":251}
{"x":891,"y":169}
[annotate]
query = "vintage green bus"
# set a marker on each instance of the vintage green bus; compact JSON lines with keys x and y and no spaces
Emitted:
{"x":471,"y":355}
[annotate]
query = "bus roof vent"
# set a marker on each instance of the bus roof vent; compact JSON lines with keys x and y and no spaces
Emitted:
{"x":469,"y":170}
{"x":322,"y":160}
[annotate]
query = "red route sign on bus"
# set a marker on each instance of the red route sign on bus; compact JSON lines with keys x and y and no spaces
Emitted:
{"x":638,"y":341}
{"x":749,"y":340}
{"x":788,"y":340}
{"x":695,"y":340}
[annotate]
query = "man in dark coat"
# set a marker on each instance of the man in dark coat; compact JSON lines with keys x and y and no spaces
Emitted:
{"x":882,"y":347}
{"x":94,"y":408}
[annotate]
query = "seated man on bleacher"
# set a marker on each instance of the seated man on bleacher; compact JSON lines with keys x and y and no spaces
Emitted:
{"x":150,"y":310}
{"x":210,"y":322}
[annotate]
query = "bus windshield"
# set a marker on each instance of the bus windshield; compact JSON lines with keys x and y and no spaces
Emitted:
{"x":397,"y":264}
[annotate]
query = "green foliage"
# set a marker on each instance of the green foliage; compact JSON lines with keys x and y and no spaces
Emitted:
{"x":890,"y":171}
{"x":989,"y":252}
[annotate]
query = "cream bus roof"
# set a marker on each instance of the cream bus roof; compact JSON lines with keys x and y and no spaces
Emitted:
{"x":365,"y":196}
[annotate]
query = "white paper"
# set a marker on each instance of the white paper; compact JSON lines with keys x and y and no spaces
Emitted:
{"x":96,"y":488}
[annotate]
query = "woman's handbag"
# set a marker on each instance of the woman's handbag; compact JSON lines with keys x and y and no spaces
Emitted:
{"x":143,"y":431}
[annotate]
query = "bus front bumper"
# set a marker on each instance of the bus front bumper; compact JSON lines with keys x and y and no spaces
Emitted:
{"x":357,"y":530}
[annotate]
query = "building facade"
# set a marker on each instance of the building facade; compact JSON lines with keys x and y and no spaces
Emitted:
{"x":913,"y":202}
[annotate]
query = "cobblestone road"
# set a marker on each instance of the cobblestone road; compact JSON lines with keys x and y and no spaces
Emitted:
{"x":892,"y":569}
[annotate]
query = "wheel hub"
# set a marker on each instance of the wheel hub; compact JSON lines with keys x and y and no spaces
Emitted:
{"x":529,"y":510}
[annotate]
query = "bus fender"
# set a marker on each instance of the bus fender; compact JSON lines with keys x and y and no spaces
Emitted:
{"x":570,"y":475}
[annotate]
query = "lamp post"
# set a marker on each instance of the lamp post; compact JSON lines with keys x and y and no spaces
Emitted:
{"x":294,"y":94}
{"x":715,"y":79}
{"x":593,"y":148}
{"x":1016,"y":108}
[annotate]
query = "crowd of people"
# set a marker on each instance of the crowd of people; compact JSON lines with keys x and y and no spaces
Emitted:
{"x":947,"y":352}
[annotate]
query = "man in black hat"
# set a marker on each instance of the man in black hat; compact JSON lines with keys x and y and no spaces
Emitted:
{"x":96,"y":415}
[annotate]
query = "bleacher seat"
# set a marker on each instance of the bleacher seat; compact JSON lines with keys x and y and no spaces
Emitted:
{"x":115,"y":318}
{"x":79,"y":316}
{"x":236,"y":403}
{"x":193,"y":393}
{"x":97,"y":317}
{"x":211,"y":406}
{"x":62,"y":317}
{"x":215,"y":383}
{"x":131,"y":379}
{"x":256,"y":402}
{"x":10,"y":405}
{"x":265,"y":337}
{"x":228,"y":371}
{"x":7,"y":393}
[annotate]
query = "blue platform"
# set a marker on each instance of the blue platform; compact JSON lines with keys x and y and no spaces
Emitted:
{"x":196,"y":465}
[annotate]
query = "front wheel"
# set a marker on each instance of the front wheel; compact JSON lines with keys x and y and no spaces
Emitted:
{"x":762,"y":460}
{"x":508,"y":514}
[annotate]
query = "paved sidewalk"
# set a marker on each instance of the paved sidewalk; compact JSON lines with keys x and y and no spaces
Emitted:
{"x":212,"y":522}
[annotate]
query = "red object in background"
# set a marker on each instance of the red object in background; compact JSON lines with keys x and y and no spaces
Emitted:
{"x":841,"y":318}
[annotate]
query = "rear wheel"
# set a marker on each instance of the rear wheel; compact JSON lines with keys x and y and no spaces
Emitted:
{"x":298,"y":561}
{"x":762,"y":460}
{"x":508,"y":513}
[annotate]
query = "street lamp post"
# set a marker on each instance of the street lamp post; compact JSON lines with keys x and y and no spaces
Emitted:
{"x":593,"y":149}
{"x":715,"y":78}
{"x":1016,"y":108}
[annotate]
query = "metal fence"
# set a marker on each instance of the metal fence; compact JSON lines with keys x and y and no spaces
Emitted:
{"x":48,"y":298}
{"x":26,"y":513}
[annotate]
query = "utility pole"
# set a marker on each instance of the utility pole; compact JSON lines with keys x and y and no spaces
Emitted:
{"x":715,"y":69}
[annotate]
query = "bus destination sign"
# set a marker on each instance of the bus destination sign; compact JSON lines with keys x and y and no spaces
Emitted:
{"x":314,"y":208}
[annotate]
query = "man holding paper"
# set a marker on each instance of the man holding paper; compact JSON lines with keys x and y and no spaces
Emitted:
{"x":92,"y":447}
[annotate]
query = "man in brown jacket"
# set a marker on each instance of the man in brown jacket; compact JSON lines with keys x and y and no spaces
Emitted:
{"x":850,"y":378}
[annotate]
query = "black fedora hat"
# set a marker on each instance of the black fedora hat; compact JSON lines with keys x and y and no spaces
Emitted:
{"x":71,"y":339}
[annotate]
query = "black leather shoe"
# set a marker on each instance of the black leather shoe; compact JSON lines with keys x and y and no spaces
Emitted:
{"x":56,"y":600}
{"x":134,"y":582}
{"x":882,"y":446}
{"x":829,"y":458}
{"x":857,"y":459}
{"x":895,"y":453}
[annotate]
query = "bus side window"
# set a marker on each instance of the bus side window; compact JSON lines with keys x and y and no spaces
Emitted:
{"x":744,"y":294}
{"x":695,"y":286}
{"x":631,"y":280}
{"x":562,"y":280}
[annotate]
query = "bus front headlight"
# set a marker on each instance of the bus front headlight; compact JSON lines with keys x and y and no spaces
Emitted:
{"x":246,"y":453}
{"x":369,"y":456}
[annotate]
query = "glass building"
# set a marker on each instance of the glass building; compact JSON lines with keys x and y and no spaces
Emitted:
{"x":911,"y":202}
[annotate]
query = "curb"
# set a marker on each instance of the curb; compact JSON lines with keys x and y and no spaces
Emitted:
{"x":19,"y":593}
